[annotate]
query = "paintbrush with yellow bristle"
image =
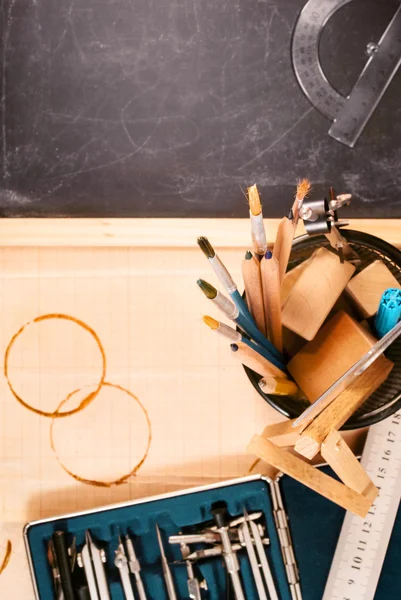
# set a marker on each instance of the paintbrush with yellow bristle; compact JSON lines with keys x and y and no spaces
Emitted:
{"x":287,"y":227}
{"x":257,"y":227}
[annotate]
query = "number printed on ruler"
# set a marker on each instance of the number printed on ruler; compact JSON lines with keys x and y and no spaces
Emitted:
{"x":363,"y":542}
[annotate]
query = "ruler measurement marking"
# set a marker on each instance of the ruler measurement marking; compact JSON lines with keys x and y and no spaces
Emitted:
{"x":363,"y":542}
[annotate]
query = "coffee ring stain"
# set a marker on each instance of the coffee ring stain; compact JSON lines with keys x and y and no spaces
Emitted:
{"x":85,"y":401}
{"x":123,"y":478}
{"x":7,"y":556}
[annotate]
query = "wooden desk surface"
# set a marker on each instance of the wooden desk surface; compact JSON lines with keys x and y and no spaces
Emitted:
{"x":146,"y":308}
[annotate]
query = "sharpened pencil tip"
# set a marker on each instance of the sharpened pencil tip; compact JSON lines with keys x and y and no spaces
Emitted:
{"x":268,"y":254}
{"x":210,"y":322}
{"x":206,"y":247}
{"x":248,"y":255}
{"x":255,"y":205}
{"x":234,"y":347}
{"x":207,"y":288}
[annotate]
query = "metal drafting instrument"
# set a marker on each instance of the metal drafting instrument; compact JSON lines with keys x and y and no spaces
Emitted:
{"x":168,"y":578}
{"x":195,"y":584}
{"x":52,"y":559}
{"x":253,"y":561}
{"x":363,"y":543}
{"x":64,"y":561}
{"x":135,"y":567}
{"x":320,"y":217}
{"x":229,"y":555}
{"x":263,"y":561}
{"x":349,"y":114}
{"x":92,"y":559}
{"x":121,"y":563}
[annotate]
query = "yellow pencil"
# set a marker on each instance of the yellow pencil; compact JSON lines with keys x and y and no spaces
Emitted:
{"x":278,"y":386}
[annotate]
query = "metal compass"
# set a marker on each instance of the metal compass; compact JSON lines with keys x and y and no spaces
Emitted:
{"x":349,"y":114}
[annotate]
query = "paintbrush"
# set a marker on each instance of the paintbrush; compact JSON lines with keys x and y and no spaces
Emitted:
{"x":287,"y":227}
{"x":231,"y":311}
{"x":257,"y":227}
{"x":224,"y":276}
{"x":283,"y":244}
{"x":236,"y":337}
{"x":253,"y":288}
{"x":303,"y":189}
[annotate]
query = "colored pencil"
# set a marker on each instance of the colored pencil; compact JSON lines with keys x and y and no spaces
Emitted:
{"x":253,"y":289}
{"x":231,"y":312}
{"x":236,"y":337}
{"x":269,"y":270}
{"x":252,"y":359}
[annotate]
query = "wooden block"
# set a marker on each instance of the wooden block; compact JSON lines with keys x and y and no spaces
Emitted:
{"x":342,"y":407}
{"x":292,"y":342}
{"x":339,"y":344}
{"x":345,"y":464}
{"x":290,"y":279}
{"x":310,"y":476}
{"x":367,"y":287}
{"x":315,"y":293}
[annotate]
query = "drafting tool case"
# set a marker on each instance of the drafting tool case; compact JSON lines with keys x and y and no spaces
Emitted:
{"x":173,"y":512}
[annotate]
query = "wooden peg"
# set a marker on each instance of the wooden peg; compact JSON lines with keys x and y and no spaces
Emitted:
{"x":341,"y":409}
{"x":310,"y":476}
{"x":344,"y":463}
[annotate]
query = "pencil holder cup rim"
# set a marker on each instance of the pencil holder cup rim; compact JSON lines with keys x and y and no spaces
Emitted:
{"x":387,"y":399}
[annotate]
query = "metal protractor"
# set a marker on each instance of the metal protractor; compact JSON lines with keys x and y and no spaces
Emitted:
{"x":349,"y":114}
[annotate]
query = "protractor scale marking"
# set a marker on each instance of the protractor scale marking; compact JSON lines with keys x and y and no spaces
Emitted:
{"x":349,"y":114}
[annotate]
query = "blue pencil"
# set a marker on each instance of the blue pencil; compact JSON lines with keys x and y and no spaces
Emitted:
{"x":236,"y":336}
{"x":232,"y":312}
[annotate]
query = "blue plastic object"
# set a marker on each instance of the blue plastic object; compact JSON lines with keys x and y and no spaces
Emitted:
{"x":389,"y":312}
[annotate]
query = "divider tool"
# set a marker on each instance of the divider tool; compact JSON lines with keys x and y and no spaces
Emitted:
{"x":92,"y":559}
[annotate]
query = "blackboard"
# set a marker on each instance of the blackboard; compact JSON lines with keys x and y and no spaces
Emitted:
{"x":170,"y":108}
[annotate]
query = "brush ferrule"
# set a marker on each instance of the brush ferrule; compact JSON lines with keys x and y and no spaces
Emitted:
{"x":223,"y":275}
{"x":226,"y":306}
{"x":258,"y":233}
{"x":229,"y":333}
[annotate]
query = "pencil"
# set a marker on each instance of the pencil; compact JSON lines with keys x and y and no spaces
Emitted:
{"x":224,"y":276}
{"x":283,"y":244}
{"x":303,"y":189}
{"x":232,"y":312}
{"x":255,"y":361}
{"x":236,"y":337}
{"x":257,"y":227}
{"x":277,"y":386}
{"x":269,"y":270}
{"x":253,"y":289}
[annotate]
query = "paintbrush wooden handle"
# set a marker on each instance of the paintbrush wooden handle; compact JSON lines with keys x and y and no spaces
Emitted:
{"x":272,"y":301}
{"x":253,"y":290}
